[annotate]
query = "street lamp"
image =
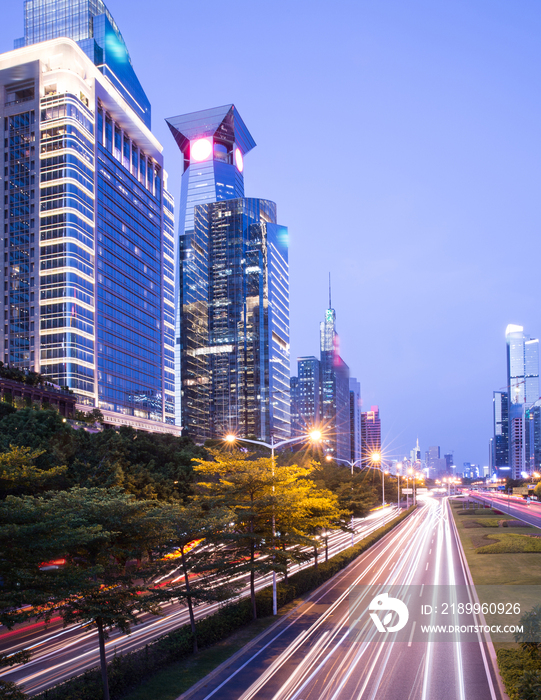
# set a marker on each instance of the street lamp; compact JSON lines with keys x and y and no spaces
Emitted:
{"x":313,"y":436}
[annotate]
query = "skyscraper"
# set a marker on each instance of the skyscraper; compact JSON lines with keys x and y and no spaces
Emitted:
{"x":233,"y":287}
{"x":500,"y":442}
{"x":523,"y":388}
{"x":335,"y":401}
{"x":355,"y":418}
{"x":370,"y":434}
{"x":305,"y":396}
{"x":88,"y":224}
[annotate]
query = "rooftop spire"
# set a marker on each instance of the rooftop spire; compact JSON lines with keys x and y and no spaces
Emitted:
{"x":330,"y":305}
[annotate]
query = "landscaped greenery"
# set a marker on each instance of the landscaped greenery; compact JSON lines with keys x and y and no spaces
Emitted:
{"x":130,"y":670}
{"x":511,"y":543}
{"x":112,"y":504}
{"x":497,"y":558}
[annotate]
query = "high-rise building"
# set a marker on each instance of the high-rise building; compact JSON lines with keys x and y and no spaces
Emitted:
{"x":305,"y":396}
{"x":335,"y":401}
{"x":500,"y":442}
{"x":523,"y":388}
{"x":415,"y":454}
{"x":233,"y":288}
{"x":88,"y":224}
{"x":355,"y":418}
{"x":370,"y":434}
{"x":432,"y":456}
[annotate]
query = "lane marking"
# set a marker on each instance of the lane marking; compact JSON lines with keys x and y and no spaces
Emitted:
{"x":412,"y":631}
{"x":426,"y":566}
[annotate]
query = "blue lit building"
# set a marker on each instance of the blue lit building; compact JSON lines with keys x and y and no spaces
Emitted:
{"x":523,"y":392}
{"x":306,"y":396}
{"x":88,"y":228}
{"x":232,"y":288}
{"x":355,"y":418}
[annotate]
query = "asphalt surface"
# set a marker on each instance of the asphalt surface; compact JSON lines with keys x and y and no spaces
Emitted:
{"x":512,"y":505}
{"x":321,"y":651}
{"x":58,"y":653}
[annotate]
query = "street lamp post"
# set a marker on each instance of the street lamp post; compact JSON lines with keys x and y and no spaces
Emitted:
{"x":313,"y":436}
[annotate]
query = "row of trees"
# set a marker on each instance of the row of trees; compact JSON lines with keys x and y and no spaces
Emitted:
{"x":122,"y":510}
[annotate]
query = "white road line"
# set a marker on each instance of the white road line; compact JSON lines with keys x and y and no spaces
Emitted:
{"x":412,"y":631}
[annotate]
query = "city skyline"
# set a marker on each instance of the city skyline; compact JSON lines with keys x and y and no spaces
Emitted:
{"x":433,"y":190}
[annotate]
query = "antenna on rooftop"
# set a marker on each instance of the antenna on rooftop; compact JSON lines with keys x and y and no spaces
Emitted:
{"x":330,"y":305}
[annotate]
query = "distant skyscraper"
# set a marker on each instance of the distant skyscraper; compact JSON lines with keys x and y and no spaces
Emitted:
{"x":355,"y":418}
{"x":370,"y":434}
{"x":523,"y":387}
{"x":431,"y":457}
{"x":88,"y":224}
{"x":305,"y":396}
{"x":500,"y":442}
{"x":233,"y":288}
{"x":335,"y":402}
{"x":415,"y":454}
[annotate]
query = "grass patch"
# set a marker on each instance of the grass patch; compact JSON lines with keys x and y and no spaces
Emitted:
{"x":489,"y":522}
{"x":468,"y":524}
{"x":515,"y":567}
{"x":511,"y":543}
{"x":520,"y":568}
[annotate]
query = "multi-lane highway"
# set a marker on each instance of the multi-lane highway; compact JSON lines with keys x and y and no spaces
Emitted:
{"x":59,"y":653}
{"x":512,"y":505}
{"x":320,"y":652}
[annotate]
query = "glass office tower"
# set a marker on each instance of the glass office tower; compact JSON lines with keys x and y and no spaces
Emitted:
{"x":335,"y":399}
{"x":500,"y":443}
{"x":523,"y":387}
{"x":233,"y":287}
{"x":91,"y":25}
{"x":88,"y":242}
{"x":305,"y":396}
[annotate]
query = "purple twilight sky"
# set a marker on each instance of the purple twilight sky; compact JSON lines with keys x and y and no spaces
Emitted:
{"x":400,"y":141}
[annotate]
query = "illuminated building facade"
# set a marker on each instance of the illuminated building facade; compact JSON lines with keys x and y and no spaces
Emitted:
{"x":523,"y":388}
{"x":500,"y":443}
{"x":233,"y":288}
{"x":355,"y":418}
{"x":305,"y":396}
{"x":88,"y":229}
{"x":370,"y":434}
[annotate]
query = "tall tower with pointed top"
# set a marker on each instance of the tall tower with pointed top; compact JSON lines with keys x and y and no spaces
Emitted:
{"x":232,"y":360}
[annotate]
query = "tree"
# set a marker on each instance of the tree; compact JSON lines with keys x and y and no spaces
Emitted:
{"x":276,"y":507}
{"x":113,"y":552}
{"x":530,"y":636}
{"x":195,"y":532}
{"x":244,"y":486}
{"x":19,"y":474}
{"x":43,"y":430}
{"x":357,"y":493}
{"x":8,"y":690}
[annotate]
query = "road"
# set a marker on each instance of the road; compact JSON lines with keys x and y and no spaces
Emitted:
{"x":58,"y":654}
{"x":513,"y":505}
{"x":319,"y":653}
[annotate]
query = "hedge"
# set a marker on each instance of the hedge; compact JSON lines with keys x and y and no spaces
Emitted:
{"x":129,"y":670}
{"x":521,"y":673}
